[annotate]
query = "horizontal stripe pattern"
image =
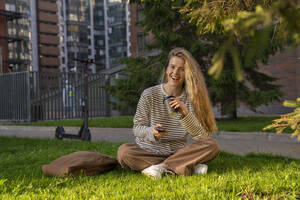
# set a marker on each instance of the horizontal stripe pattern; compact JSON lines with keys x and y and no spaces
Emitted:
{"x":151,"y":111}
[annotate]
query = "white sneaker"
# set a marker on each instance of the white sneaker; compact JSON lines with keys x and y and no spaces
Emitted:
{"x":200,"y":169}
{"x":154,"y":171}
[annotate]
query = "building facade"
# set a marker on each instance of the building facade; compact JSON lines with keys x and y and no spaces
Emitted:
{"x":49,"y":35}
{"x":76,"y":28}
{"x":117,"y":31}
{"x":14,"y":36}
{"x":286,"y":67}
{"x":139,"y":39}
{"x":29,"y":35}
{"x":94,"y":29}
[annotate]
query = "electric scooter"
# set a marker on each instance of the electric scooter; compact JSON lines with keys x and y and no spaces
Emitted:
{"x":84,"y":132}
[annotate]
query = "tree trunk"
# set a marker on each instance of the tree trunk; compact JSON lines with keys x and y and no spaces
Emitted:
{"x":233,"y":113}
{"x":229,"y":106}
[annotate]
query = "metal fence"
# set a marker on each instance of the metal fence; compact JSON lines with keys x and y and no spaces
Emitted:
{"x":15,"y":97}
{"x":33,"y":96}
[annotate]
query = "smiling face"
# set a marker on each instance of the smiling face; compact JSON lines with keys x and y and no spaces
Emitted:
{"x":175,"y":72}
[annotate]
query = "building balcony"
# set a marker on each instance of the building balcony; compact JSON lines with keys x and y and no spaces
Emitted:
{"x":14,"y":38}
{"x":17,"y":61}
{"x":117,"y":23}
{"x":10,"y":15}
{"x":47,"y":17}
{"x":47,"y":6}
{"x":115,"y":43}
{"x":77,"y":44}
{"x":48,"y":28}
{"x":48,"y":39}
{"x":43,"y":69}
{"x":70,"y":22}
{"x":49,"y":50}
{"x":49,"y":61}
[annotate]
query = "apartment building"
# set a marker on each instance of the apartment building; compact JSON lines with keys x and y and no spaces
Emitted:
{"x":94,"y":29}
{"x":118,"y":31}
{"x":14,"y":36}
{"x":29,"y":35}
{"x":139,"y":39}
{"x":47,"y":35}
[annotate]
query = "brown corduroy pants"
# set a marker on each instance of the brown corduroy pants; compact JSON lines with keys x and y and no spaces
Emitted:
{"x":132,"y":157}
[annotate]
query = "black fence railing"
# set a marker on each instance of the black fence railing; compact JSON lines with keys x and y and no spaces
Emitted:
{"x":33,"y":96}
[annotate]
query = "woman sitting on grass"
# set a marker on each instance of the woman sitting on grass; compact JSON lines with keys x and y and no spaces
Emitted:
{"x":160,"y":139}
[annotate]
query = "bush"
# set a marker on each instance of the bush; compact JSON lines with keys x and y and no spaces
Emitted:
{"x":142,"y":73}
{"x":291,"y":120}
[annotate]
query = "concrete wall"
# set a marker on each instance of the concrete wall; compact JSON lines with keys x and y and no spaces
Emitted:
{"x":286,"y":67}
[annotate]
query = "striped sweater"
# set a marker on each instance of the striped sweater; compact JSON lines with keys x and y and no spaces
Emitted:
{"x":151,"y":111}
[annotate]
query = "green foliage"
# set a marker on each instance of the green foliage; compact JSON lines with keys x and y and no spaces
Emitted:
{"x":290,"y":120}
{"x":229,"y":176}
{"x":170,"y":29}
{"x":143,"y":73}
{"x":208,"y":16}
{"x":238,"y":20}
{"x":198,"y":27}
{"x":2,"y":181}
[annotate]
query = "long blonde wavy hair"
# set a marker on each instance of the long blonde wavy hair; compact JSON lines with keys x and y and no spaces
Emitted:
{"x":196,"y":89}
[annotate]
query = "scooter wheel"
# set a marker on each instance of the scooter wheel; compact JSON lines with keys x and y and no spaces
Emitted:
{"x":59,"y":132}
{"x":86,"y":135}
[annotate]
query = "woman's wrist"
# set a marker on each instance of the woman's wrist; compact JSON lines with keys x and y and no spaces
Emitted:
{"x":184,"y":112}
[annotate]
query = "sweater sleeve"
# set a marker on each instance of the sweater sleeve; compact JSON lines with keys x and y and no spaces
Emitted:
{"x":141,"y":123}
{"x":192,"y":125}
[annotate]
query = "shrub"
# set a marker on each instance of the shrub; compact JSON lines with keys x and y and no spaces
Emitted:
{"x":291,"y":120}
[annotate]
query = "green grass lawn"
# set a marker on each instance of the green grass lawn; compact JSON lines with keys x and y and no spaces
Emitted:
{"x":229,"y":176}
{"x":247,"y":124}
{"x":107,"y":122}
{"x":242,"y":124}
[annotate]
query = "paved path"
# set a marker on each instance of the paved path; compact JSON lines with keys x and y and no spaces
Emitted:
{"x":233,"y":142}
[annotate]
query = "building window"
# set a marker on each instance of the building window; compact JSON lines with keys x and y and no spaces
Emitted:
{"x":73,"y":17}
{"x":10,"y":7}
{"x":99,"y":13}
{"x":100,"y":42}
{"x":143,"y":41}
{"x":98,"y":32}
{"x":101,"y":52}
{"x":140,"y":15}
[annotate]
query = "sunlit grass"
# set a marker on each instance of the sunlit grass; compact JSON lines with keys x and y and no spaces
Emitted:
{"x":242,"y":124}
{"x":229,"y":176}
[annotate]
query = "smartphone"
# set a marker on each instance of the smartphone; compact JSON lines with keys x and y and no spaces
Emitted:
{"x":160,"y":129}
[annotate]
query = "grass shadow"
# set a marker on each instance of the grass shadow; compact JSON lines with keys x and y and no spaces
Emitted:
{"x":252,"y":162}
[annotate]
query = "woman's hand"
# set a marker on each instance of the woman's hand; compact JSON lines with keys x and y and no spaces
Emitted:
{"x":179,"y":105}
{"x":158,"y":134}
